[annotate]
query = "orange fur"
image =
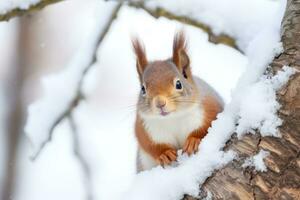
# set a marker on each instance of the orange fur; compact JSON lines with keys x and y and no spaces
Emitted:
{"x":140,"y":53}
{"x":158,"y":80}
{"x":164,"y":154}
{"x":180,"y":56}
{"x":211,"y":109}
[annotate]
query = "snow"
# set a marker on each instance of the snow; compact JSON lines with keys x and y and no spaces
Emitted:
{"x":240,"y":19}
{"x":113,"y":85}
{"x":106,"y":131}
{"x":260,"y":51}
{"x":109,"y":148}
{"x":209,"y":196}
{"x":173,"y":183}
{"x":55,"y":175}
{"x":8,"y":5}
{"x":257,"y":161}
{"x":258,"y":110}
{"x":60,"y":89}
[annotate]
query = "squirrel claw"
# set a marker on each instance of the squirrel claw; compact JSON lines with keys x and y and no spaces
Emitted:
{"x":191,"y":145}
{"x":167,"y":157}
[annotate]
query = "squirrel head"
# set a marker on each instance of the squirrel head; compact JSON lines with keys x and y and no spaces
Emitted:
{"x":167,"y":86}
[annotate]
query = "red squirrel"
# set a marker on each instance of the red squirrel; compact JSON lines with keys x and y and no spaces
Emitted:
{"x":174,"y":109}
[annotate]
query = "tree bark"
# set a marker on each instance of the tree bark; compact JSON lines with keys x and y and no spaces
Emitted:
{"x":282,"y":178}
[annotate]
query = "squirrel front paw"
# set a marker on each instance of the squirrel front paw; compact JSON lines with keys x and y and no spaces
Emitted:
{"x":167,"y":157}
{"x":191,"y":145}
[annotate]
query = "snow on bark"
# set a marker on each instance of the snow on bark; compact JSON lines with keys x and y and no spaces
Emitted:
{"x":258,"y":109}
{"x":257,"y":161}
{"x":8,"y":5}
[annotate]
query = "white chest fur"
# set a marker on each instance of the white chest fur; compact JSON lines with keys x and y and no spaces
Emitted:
{"x":174,"y":129}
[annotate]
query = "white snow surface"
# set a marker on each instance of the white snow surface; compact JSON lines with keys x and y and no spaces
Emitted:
{"x":8,"y":5}
{"x":257,"y":161}
{"x":61,"y":88}
{"x":258,"y":110}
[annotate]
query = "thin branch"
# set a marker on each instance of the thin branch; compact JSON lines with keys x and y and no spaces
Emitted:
{"x":66,"y":113}
{"x":157,"y":12}
{"x":82,"y":161}
{"x":19,"y":12}
{"x":161,"y":12}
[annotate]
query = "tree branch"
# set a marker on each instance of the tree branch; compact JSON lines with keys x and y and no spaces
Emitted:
{"x":282,"y":179}
{"x":67,"y":112}
{"x":156,"y":13}
{"x":82,"y":161}
{"x":160,"y":12}
{"x":19,"y":12}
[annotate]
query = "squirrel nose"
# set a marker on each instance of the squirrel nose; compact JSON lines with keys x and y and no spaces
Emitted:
{"x":160,"y":102}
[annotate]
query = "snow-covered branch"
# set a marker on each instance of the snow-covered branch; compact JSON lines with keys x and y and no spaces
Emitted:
{"x":157,"y":12}
{"x":9,"y":9}
{"x":63,"y":91}
{"x":222,"y":20}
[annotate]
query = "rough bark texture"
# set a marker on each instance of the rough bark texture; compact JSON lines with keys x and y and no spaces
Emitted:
{"x":282,"y":178}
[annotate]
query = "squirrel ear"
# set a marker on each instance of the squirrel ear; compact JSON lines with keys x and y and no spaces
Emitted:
{"x":180,"y":56}
{"x":141,"y":59}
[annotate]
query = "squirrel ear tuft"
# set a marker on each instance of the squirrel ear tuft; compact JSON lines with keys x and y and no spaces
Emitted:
{"x":141,"y":59}
{"x":180,"y":56}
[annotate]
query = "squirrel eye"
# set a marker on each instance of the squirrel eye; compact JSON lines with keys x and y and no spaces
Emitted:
{"x":178,"y":85}
{"x":143,"y":90}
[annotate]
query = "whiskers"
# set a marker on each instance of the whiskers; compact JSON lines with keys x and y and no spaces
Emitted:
{"x":145,"y":105}
{"x":179,"y":99}
{"x":132,"y":109}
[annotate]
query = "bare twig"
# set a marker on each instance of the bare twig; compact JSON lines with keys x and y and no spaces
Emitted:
{"x":66,"y":113}
{"x":80,"y":157}
{"x":19,"y":12}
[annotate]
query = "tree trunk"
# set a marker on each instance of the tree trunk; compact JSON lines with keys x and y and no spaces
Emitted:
{"x":282,"y":178}
{"x":14,"y":88}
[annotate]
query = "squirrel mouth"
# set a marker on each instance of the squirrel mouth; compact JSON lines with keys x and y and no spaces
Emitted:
{"x":163,"y":113}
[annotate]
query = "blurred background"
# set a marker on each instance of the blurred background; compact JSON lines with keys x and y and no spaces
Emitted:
{"x":43,"y":43}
